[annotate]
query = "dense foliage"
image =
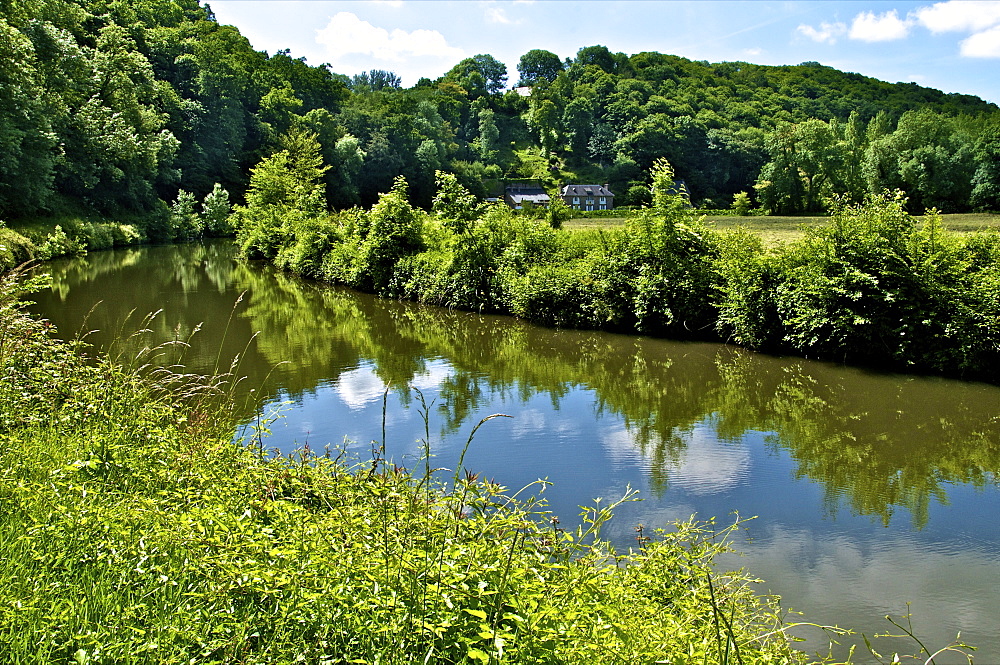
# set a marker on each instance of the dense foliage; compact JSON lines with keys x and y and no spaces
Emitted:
{"x":120,"y":107}
{"x":873,"y":286}
{"x":136,"y":531}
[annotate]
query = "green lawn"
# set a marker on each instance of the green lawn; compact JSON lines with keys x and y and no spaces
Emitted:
{"x":784,"y":229}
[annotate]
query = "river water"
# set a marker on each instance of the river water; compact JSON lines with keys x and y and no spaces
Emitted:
{"x":872,"y":494}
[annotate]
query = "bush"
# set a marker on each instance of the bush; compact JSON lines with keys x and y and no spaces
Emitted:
{"x":59,"y":243}
{"x":873,"y":285}
{"x":748,"y":279}
{"x":15,"y":249}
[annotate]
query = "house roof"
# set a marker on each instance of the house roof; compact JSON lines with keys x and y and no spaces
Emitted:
{"x":534,"y":198}
{"x":533,"y":193}
{"x":586,"y":190}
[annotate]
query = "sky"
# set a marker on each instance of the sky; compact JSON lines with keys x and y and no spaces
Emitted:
{"x":953,"y":46}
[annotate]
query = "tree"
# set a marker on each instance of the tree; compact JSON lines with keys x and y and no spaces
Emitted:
{"x":184,"y":221}
{"x":805,"y":159}
{"x":453,"y":204}
{"x":481,"y":74}
{"x":598,"y":56}
{"x":285,"y":190}
{"x":375,"y":80}
{"x":986,"y":181}
{"x":537,"y":65}
{"x":215,"y":211}
{"x":489,"y":136}
{"x":578,"y":121}
{"x":348,"y":160}
{"x":27,"y":143}
{"x":544,"y":118}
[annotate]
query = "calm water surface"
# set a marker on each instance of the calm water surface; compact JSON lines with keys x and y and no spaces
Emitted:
{"x":870,"y":491}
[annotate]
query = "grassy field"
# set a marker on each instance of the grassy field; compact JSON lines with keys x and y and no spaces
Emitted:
{"x":776,"y":230}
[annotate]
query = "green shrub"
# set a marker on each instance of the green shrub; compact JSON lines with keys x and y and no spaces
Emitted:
{"x":97,"y":236}
{"x":873,"y":285}
{"x":395,"y":232}
{"x":15,"y":249}
{"x":748,"y":277}
{"x":59,"y":243}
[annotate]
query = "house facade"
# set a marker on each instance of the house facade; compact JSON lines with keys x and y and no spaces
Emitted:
{"x":588,"y":197}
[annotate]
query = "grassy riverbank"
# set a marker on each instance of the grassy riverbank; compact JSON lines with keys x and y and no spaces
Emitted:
{"x":76,"y":230}
{"x":873,"y":285}
{"x":133,"y":530}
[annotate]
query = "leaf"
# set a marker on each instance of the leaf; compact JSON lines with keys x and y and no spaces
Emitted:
{"x":476,"y":613}
{"x":476,"y":654}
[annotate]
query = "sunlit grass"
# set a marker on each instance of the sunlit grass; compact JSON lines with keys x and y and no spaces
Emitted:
{"x":775,"y":230}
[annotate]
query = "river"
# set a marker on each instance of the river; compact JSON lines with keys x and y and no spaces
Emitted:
{"x":872,"y":494}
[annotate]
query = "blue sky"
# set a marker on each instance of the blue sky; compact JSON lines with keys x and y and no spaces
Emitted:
{"x":952,"y":46}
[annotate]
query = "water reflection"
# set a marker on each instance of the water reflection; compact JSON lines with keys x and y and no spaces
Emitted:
{"x":872,"y":490}
{"x":877,"y":443}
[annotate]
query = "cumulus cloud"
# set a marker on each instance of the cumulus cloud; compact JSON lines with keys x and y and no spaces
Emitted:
{"x":346,"y":34}
{"x":984,"y":44}
{"x":982,"y":18}
{"x":959,"y":15}
{"x":708,"y":466}
{"x":827,"y":33}
{"x":869,"y":27}
{"x":358,"y":387}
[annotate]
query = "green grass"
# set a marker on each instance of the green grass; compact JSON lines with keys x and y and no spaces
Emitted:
{"x":775,"y":230}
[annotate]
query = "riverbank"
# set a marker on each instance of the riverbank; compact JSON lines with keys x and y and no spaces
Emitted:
{"x":78,"y":230}
{"x":134,"y":530}
{"x":874,"y":286}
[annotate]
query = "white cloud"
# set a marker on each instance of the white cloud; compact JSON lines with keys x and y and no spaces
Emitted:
{"x":827,"y":33}
{"x":708,"y":466}
{"x":982,"y":18}
{"x":497,"y":15}
{"x":984,"y":44}
{"x":959,"y":15}
{"x":753,"y":51}
{"x":346,"y":34}
{"x":869,"y":27}
{"x":359,"y":386}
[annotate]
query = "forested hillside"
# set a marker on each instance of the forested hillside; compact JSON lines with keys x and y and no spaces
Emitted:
{"x":114,"y":106}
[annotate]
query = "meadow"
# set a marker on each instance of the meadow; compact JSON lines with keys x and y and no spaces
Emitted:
{"x":775,"y":229}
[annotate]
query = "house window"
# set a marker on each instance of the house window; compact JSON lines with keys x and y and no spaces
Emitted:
{"x":576,"y":200}
{"x":603,"y":200}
